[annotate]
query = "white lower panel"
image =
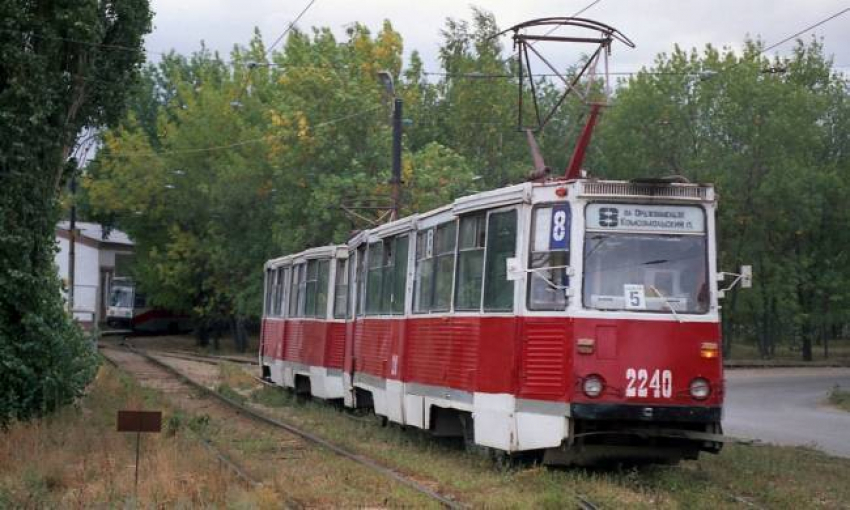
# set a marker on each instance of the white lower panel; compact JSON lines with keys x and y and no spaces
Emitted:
{"x":348,"y":390}
{"x":537,"y":430}
{"x":414,"y":411}
{"x":493,"y":415}
{"x":394,"y":401}
{"x":277,"y":372}
{"x":324,"y":385}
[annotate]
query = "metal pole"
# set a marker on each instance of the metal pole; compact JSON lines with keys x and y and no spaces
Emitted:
{"x":396,"y":177}
{"x":72,"y":241}
{"x":138,"y":438}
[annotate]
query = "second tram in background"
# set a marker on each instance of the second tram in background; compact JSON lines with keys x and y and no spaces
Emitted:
{"x":578,"y":319}
{"x":128,"y":308}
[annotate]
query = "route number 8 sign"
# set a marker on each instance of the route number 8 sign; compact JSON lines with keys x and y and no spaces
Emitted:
{"x":559,"y":229}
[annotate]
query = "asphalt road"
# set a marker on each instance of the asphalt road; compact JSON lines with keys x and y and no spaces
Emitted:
{"x":787,"y":406}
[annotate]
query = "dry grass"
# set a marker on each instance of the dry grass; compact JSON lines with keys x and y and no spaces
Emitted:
{"x":768,"y":476}
{"x":76,"y":459}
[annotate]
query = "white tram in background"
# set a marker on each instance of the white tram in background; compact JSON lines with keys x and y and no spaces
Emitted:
{"x":578,"y":319}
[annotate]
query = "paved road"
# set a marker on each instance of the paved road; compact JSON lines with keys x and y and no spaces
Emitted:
{"x":786,"y":406}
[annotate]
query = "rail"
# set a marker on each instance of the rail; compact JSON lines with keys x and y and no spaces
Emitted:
{"x":312,"y":438}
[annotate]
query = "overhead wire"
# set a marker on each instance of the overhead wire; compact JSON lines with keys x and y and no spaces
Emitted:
{"x":803,"y":31}
{"x":289,"y":28}
{"x":251,"y":140}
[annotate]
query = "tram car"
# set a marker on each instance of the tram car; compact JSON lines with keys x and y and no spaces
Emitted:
{"x":577,"y":319}
{"x":128,"y":309}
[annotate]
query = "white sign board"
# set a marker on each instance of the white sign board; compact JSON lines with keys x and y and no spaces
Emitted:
{"x":635,"y":297}
{"x":645,"y":218}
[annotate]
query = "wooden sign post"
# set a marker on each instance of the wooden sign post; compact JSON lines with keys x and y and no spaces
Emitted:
{"x":138,"y":422}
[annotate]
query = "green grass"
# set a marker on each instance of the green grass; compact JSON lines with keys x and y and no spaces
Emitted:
{"x":839,"y":398}
{"x":839,"y":351}
{"x":766,"y":476}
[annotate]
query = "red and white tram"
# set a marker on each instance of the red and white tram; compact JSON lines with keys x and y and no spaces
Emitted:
{"x":576,"y":318}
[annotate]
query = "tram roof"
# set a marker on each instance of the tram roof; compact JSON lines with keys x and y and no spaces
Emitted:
{"x":514,"y":194}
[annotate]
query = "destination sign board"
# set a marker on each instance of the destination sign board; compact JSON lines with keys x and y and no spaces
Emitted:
{"x":645,"y":218}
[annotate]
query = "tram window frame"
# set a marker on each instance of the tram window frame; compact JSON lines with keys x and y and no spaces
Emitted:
{"x":269,"y":286}
{"x":471,"y":245}
{"x":424,"y":271}
{"x":398,"y":287}
{"x":284,"y":291}
{"x":360,"y":289}
{"x":559,"y":301}
{"x":444,"y":254}
{"x":293,"y":290}
{"x":340,"y":309}
{"x":387,"y":274}
{"x":310,"y":287}
{"x":374,"y":277}
{"x":495,"y":268}
{"x":277,"y":311}
{"x":322,"y":288}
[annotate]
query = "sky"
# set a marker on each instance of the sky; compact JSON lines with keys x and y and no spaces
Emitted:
{"x":654,"y":25}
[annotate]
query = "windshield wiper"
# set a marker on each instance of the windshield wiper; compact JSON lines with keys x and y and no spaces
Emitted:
{"x":655,"y":262}
{"x":667,"y":302}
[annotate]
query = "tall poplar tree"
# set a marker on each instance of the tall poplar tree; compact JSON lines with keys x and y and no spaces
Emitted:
{"x":64,"y":67}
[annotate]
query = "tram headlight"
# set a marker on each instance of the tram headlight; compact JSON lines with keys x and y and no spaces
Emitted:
{"x":593,"y":386}
{"x":700,"y":388}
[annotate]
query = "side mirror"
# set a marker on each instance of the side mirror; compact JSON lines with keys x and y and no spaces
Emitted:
{"x":514,"y":269}
{"x":746,"y":277}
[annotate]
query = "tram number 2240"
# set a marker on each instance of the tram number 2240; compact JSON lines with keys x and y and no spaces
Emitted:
{"x":640,"y":383}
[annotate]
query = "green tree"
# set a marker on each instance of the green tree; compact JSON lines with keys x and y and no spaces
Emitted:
{"x":62,"y":68}
{"x":776,"y":147}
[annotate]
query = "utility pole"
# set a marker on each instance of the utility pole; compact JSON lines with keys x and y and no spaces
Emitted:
{"x":72,"y":242}
{"x":395,"y":181}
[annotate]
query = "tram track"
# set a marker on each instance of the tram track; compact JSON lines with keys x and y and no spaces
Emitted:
{"x":245,"y":413}
{"x":582,"y":502}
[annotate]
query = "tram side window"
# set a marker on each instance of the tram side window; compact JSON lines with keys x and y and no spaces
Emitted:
{"x":444,"y":265}
{"x":316,"y":288}
{"x":352,"y":296}
{"x":550,"y":248}
{"x":470,"y":262}
{"x":283,"y":288}
{"x":294,"y":295}
{"x":501,"y":245}
{"x":322,"y":284}
{"x":277,"y":309}
{"x":374,"y":279}
{"x":361,"y":279}
{"x":341,"y":289}
{"x":270,"y":287}
{"x":399,"y":274}
{"x":424,"y":276}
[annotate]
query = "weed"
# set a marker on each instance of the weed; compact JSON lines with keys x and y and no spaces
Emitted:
{"x":227,"y":391}
{"x":271,"y":397}
{"x":233,"y":375}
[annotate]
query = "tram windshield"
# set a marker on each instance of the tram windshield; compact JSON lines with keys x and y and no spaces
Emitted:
{"x":646,"y":272}
{"x":122,"y":297}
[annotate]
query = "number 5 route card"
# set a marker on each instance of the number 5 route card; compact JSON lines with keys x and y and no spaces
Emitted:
{"x":635,"y":297}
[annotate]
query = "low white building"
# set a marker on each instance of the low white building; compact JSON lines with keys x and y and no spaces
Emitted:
{"x":100,"y":255}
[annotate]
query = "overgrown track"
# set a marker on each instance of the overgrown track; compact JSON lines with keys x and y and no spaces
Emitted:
{"x":581,"y":501}
{"x":163,"y":372}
